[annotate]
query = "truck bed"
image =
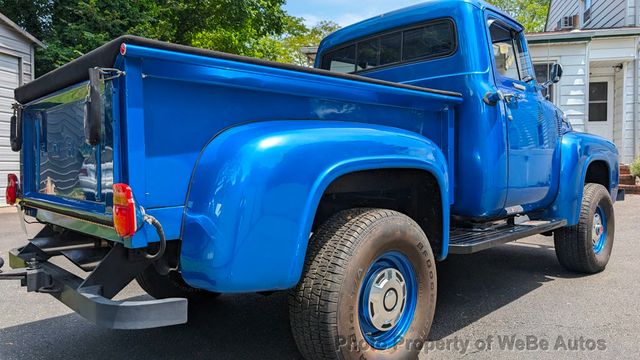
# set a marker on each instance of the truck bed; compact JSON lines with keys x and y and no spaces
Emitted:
{"x":173,"y":101}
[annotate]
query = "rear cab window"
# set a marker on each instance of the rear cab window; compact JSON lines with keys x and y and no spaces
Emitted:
{"x":435,"y":39}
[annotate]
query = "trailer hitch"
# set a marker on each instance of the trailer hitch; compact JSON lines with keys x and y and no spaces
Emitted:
{"x":34,"y":278}
{"x":91,"y":297}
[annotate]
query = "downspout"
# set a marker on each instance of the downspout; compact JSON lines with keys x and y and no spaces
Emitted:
{"x":636,"y":99}
{"x":636,"y":91}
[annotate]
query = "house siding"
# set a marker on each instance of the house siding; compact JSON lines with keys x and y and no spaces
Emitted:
{"x":572,"y":97}
{"x":594,"y":58}
{"x":16,"y":68}
{"x":14,"y":44}
{"x":559,"y":9}
{"x":606,"y":14}
{"x":612,"y":49}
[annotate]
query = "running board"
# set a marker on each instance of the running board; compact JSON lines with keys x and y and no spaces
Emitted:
{"x":463,"y":241}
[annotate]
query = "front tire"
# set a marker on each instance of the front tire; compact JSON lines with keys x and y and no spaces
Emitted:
{"x":586,"y":247}
{"x":368,"y":289}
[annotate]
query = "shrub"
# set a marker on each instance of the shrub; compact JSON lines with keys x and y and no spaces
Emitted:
{"x":635,"y":167}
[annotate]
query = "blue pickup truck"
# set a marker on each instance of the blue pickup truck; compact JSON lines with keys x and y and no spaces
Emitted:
{"x":418,"y":134}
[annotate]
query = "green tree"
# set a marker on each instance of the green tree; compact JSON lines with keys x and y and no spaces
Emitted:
{"x":532,"y":14}
{"x":71,"y":28}
{"x":32,"y":15}
{"x":302,"y":37}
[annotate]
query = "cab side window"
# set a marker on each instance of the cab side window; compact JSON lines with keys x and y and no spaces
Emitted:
{"x":524,"y":66}
{"x":504,"y":51}
{"x":509,"y":53}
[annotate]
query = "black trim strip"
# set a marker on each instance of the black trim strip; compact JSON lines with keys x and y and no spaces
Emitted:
{"x":105,"y":56}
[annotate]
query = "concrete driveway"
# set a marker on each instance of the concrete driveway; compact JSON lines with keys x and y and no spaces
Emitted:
{"x":491,"y":299}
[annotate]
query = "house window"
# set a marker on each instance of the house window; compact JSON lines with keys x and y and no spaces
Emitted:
{"x":598,"y":106}
{"x":587,"y":11}
{"x":543,"y":71}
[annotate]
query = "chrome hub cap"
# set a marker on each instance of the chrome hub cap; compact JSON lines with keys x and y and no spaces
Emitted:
{"x":387,"y":298}
{"x":598,"y":229}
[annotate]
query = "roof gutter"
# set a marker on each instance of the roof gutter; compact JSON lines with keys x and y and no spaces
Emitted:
{"x":582,"y":35}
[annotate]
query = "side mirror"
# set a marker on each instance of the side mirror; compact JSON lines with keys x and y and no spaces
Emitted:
{"x":556,"y":73}
{"x":93,"y":109}
{"x":15,"y":129}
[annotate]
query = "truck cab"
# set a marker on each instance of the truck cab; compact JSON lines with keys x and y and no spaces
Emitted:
{"x":479,"y":51}
{"x":418,"y":134}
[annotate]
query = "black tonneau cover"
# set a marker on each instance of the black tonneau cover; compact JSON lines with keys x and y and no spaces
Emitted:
{"x":105,"y":56}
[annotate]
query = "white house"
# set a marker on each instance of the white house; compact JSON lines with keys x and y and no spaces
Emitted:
{"x":17,"y":48}
{"x":597,"y":42}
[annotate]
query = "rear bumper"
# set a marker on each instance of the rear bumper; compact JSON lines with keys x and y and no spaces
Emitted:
{"x":91,"y":297}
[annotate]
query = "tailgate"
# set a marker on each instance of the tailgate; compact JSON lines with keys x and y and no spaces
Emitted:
{"x":63,"y":173}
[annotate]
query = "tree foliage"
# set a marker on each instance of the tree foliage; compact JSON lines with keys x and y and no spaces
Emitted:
{"x":70,"y":28}
{"x":532,"y":14}
{"x":302,"y":37}
{"x":258,"y":28}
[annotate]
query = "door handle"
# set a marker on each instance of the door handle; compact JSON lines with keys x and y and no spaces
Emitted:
{"x":492,"y":98}
{"x":511,"y":98}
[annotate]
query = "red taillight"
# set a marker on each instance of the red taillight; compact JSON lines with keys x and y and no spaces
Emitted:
{"x":124,"y":211}
{"x":12,"y":189}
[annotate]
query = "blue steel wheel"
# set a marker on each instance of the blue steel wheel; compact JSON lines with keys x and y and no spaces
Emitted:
{"x":586,"y":247}
{"x":368,"y":288}
{"x":388,"y":299}
{"x":599,"y":231}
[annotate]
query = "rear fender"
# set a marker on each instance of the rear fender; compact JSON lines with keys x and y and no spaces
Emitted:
{"x":256,"y":187}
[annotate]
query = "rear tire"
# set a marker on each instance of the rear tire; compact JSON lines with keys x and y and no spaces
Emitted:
{"x":586,"y":247}
{"x":368,"y":289}
{"x":171,"y":285}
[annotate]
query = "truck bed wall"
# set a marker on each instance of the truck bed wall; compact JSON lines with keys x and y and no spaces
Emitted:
{"x":176,"y":104}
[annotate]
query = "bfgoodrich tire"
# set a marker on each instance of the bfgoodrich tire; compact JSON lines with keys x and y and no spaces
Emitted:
{"x":586,"y":247}
{"x":368,"y":289}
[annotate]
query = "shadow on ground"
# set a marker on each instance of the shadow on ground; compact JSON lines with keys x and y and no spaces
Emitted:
{"x":255,"y":326}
